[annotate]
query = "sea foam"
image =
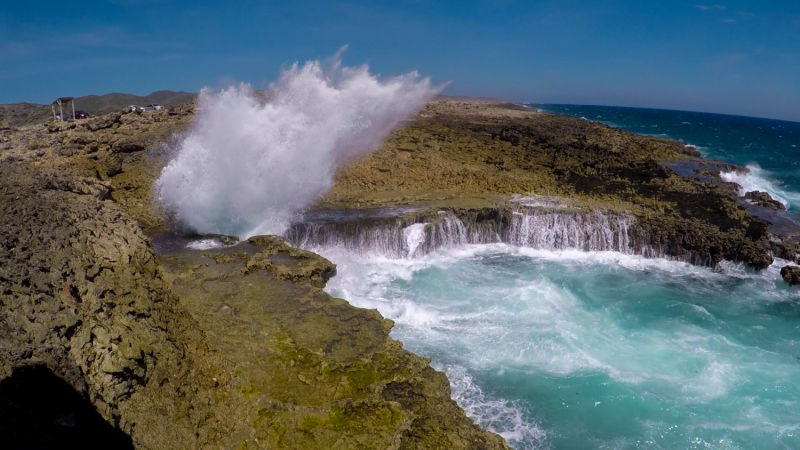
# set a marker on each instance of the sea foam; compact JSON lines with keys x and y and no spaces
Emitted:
{"x":248,"y":167}
{"x":756,"y":179}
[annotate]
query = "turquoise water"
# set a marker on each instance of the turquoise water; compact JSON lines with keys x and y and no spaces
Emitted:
{"x":574,"y":350}
{"x":602,"y":350}
{"x":770,"y":147}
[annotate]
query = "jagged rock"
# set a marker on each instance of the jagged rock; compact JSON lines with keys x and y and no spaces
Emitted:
{"x":265,"y":360}
{"x":224,"y":239}
{"x":314,"y":371}
{"x":127,"y":146}
{"x":764,"y":200}
{"x":791,"y":274}
{"x":104,"y":122}
{"x":82,"y":295}
{"x":77,"y":185}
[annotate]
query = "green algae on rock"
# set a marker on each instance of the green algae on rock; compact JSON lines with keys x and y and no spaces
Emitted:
{"x":310,"y":370}
{"x":239,"y":347}
{"x":233,"y":348}
{"x":471,"y":153}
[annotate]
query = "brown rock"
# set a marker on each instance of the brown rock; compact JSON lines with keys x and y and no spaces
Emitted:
{"x":764,"y":200}
{"x":127,"y":146}
{"x":791,"y":274}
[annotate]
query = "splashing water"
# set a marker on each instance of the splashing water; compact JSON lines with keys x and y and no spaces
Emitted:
{"x":249,"y":167}
{"x":757,"y":180}
{"x":590,"y":350}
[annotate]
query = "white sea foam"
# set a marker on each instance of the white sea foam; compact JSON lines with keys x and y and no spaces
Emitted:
{"x":496,"y":415}
{"x":415,"y":235}
{"x":567,"y":339}
{"x":757,"y":179}
{"x":481,"y":309}
{"x":248,"y":167}
{"x":204,"y":244}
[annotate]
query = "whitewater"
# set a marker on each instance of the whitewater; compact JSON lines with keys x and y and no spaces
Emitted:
{"x":576,"y":349}
{"x":249,"y":166}
{"x":555,"y":332}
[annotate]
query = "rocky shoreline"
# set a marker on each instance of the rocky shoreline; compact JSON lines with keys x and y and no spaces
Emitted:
{"x":239,"y":346}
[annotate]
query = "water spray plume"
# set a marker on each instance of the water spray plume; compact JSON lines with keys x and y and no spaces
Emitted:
{"x":249,"y":167}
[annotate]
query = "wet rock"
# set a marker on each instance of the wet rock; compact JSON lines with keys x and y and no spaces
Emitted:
{"x":314,"y":371}
{"x":764,"y":200}
{"x":289,"y":263}
{"x":791,"y":274}
{"x":477,"y":154}
{"x":223,"y":239}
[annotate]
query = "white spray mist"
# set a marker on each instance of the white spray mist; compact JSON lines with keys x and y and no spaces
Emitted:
{"x":249,"y":167}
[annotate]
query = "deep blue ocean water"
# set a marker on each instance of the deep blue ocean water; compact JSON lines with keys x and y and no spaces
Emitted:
{"x":602,"y":350}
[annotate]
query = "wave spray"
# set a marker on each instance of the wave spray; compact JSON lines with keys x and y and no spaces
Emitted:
{"x":249,"y":167}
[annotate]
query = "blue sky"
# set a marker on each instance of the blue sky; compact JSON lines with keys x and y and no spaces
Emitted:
{"x":739,"y":57}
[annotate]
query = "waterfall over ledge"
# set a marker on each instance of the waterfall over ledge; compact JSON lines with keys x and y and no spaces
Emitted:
{"x":416,"y":234}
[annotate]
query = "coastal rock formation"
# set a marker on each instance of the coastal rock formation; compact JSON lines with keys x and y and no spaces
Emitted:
{"x":312,"y":371}
{"x":475,"y":157}
{"x":764,"y":200}
{"x":239,"y":347}
{"x":791,"y":274}
{"x":110,"y":148}
{"x":82,"y":296}
{"x":234,"y":348}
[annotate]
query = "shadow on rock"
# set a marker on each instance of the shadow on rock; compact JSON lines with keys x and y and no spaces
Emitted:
{"x":39,"y":410}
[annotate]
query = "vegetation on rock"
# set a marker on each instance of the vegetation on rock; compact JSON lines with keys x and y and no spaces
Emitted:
{"x":239,"y":347}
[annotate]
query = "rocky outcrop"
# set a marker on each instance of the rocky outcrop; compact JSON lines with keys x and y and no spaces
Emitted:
{"x":764,"y":200}
{"x":791,"y":274}
{"x":310,"y":371}
{"x":111,"y":148}
{"x":239,"y":347}
{"x":82,"y":296}
{"x":234,"y":348}
{"x":452,"y":158}
{"x":462,"y":156}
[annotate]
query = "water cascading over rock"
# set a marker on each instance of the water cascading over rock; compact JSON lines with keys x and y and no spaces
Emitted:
{"x":417,"y":235}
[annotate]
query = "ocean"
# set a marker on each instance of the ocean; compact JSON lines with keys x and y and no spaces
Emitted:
{"x":572,"y":349}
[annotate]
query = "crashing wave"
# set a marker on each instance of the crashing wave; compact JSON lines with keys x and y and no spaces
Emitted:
{"x":756,"y":179}
{"x":248,"y":167}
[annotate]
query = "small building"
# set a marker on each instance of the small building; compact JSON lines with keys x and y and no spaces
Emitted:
{"x":61,"y":102}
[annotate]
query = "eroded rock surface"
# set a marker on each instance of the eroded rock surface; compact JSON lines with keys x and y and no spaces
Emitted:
{"x":83,"y":296}
{"x":234,"y":348}
{"x":791,"y":274}
{"x":764,"y":200}
{"x":310,"y":370}
{"x":465,"y":156}
{"x":240,"y":347}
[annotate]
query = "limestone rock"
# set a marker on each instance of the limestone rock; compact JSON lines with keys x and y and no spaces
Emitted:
{"x":235,"y":348}
{"x":764,"y":200}
{"x":127,"y":146}
{"x":791,"y":274}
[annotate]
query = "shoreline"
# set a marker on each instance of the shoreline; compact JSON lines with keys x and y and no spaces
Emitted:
{"x":226,"y":321}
